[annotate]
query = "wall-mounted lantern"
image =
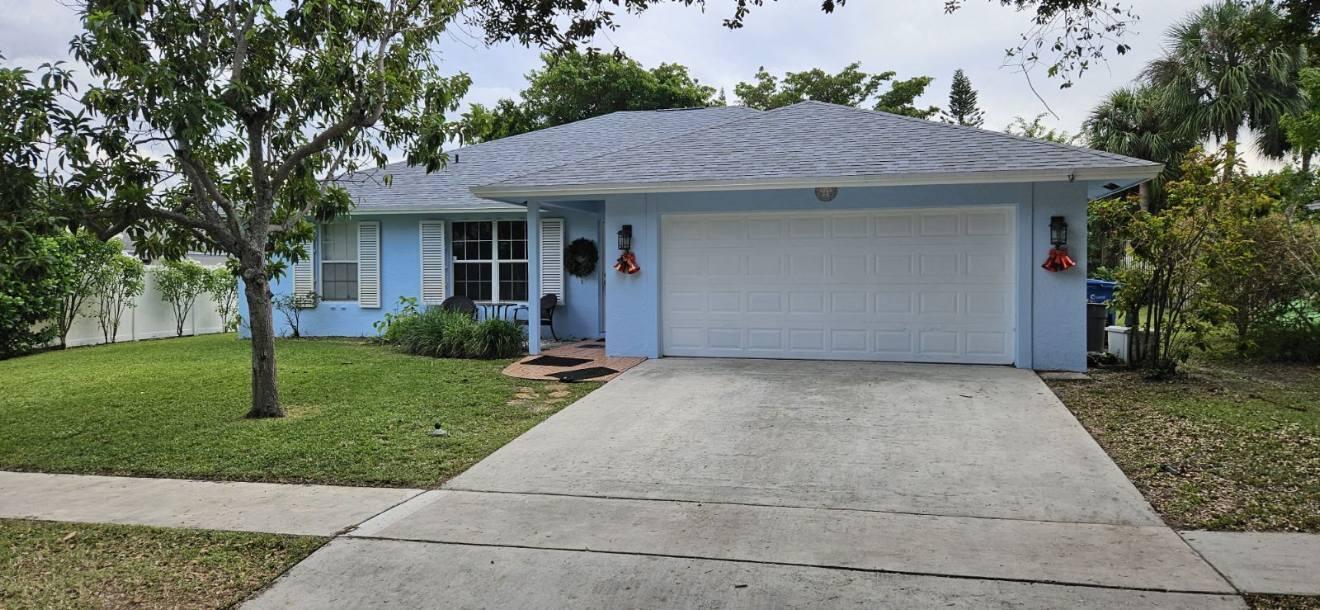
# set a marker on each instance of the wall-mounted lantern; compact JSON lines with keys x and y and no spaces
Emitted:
{"x":826,"y":194}
{"x":1058,"y":231}
{"x":627,"y":263}
{"x":1058,"y":259}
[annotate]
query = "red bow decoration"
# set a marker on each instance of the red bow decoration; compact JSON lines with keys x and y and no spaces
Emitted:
{"x":627,"y":264}
{"x":1058,"y":260}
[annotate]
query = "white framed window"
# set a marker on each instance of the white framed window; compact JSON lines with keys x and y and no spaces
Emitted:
{"x":339,"y":262}
{"x":490,"y":260}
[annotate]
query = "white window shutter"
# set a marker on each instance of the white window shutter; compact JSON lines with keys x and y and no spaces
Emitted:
{"x":432,"y":233}
{"x":369,"y":264}
{"x":552,"y":257}
{"x":304,"y":272}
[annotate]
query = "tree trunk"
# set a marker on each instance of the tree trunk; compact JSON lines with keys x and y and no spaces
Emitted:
{"x":265,"y":393}
{"x":1306,"y":161}
{"x":1230,"y":156}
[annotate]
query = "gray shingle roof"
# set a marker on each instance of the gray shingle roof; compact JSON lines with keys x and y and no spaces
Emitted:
{"x":819,"y":140}
{"x":450,"y":187}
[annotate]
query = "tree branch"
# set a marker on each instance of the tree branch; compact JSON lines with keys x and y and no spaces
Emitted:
{"x":202,"y":182}
{"x":361,"y":118}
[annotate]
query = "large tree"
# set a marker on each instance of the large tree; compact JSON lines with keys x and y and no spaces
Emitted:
{"x":1131,"y":122}
{"x":572,"y":86}
{"x":962,"y":108}
{"x":849,"y":87}
{"x":228,"y":122}
{"x":1224,"y":71}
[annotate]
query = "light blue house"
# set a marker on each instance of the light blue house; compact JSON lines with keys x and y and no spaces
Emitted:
{"x":812,"y":231}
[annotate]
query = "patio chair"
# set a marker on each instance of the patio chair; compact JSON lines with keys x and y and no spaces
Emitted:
{"x":548,"y":304}
{"x":460,"y":304}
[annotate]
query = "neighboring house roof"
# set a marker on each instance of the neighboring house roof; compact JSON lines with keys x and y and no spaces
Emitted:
{"x":412,"y":189}
{"x":817,"y":144}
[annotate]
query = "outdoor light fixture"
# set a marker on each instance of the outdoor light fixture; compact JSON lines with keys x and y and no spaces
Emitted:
{"x":1058,"y":259}
{"x":627,"y":263}
{"x":827,"y":194}
{"x":1058,"y":231}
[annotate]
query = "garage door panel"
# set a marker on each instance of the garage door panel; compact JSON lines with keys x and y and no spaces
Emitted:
{"x":924,"y":286}
{"x":806,"y":228}
{"x":992,"y":224}
{"x":940,"y":224}
{"x":850,"y":228}
{"x":893,"y":225}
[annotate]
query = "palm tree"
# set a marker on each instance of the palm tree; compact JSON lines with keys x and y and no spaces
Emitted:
{"x":1223,"y":70}
{"x":1130,"y":121}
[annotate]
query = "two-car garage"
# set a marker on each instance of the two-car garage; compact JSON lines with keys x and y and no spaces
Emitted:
{"x":918,"y":285}
{"x":818,"y":231}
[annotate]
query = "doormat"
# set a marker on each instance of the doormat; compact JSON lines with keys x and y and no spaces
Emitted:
{"x":557,"y":361}
{"x":581,"y":374}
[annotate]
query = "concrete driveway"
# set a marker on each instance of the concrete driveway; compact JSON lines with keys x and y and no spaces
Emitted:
{"x":745,"y":483}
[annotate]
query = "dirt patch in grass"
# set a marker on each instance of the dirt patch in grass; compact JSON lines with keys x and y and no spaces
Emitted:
{"x":1222,"y":447}
{"x":74,"y":565}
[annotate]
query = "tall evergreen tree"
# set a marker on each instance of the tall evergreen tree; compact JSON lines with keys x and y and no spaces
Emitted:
{"x":962,"y":103}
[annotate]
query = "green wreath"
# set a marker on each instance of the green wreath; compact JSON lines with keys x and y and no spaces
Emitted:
{"x":581,"y":258}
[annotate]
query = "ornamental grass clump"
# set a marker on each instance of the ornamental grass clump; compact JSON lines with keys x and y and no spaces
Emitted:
{"x":439,"y":333}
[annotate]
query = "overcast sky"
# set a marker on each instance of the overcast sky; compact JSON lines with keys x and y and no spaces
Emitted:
{"x":912,"y":37}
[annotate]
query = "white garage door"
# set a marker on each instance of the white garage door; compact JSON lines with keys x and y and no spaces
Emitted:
{"x":929,"y":285}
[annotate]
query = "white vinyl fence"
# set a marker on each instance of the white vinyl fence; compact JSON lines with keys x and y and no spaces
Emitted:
{"x":151,"y":318}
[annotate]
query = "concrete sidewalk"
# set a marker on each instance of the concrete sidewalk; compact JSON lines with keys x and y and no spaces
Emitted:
{"x":314,"y":510}
{"x":1263,"y":562}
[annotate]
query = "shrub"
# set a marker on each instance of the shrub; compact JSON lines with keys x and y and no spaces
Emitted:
{"x":435,"y":332}
{"x":179,"y":283}
{"x":90,"y":256}
{"x":33,"y":280}
{"x":495,"y":339}
{"x":121,"y":281}
{"x":388,"y":329}
{"x":292,"y":306}
{"x":1293,"y":336}
{"x":448,"y":334}
{"x":222,"y":284}
{"x":1174,"y":256}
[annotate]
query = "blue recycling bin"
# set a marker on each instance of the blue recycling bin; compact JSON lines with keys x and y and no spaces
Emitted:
{"x":1100,"y":291}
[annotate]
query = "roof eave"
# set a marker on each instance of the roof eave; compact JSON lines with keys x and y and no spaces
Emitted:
{"x":1130,"y":175}
{"x":426,"y":209}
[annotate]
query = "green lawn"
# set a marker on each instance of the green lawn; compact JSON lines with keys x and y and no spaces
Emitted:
{"x":1226,"y":446}
{"x":358,"y":414}
{"x":74,"y":565}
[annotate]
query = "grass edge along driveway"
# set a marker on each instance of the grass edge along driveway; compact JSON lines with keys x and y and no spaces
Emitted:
{"x":1225,"y":446}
